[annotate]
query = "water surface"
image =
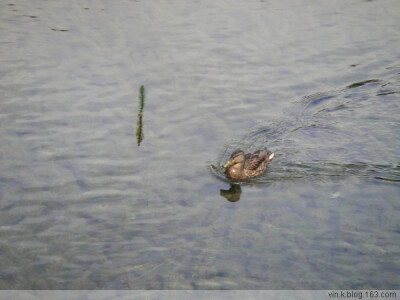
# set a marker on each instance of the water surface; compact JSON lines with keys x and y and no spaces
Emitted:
{"x":83,"y":206}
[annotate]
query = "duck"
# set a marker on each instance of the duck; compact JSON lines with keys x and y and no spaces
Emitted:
{"x":241,"y":166}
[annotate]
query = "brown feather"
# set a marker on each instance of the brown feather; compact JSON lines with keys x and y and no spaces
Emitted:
{"x":254,"y":160}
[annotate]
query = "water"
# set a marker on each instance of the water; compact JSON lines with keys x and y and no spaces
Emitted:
{"x":83,"y":206}
{"x":323,"y":124}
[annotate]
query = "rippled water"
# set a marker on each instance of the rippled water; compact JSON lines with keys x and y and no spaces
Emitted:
{"x":332,"y":145}
{"x":100,"y":189}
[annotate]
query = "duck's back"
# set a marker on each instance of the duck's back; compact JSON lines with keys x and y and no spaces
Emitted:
{"x":255,"y":163}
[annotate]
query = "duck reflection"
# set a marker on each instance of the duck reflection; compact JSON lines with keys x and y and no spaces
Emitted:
{"x":233,"y":194}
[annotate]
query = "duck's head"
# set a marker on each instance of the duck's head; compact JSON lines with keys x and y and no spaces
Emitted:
{"x":237,"y":157}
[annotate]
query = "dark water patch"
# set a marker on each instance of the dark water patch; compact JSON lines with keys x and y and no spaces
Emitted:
{"x":387,"y":93}
{"x":387,"y":179}
{"x":389,"y":88}
{"x":361,"y":83}
{"x":60,"y":30}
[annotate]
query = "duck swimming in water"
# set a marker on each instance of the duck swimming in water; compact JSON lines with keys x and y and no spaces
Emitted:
{"x":241,"y":166}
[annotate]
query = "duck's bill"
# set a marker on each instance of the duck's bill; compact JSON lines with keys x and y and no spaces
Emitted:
{"x":271,"y":156}
{"x":228,"y":163}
